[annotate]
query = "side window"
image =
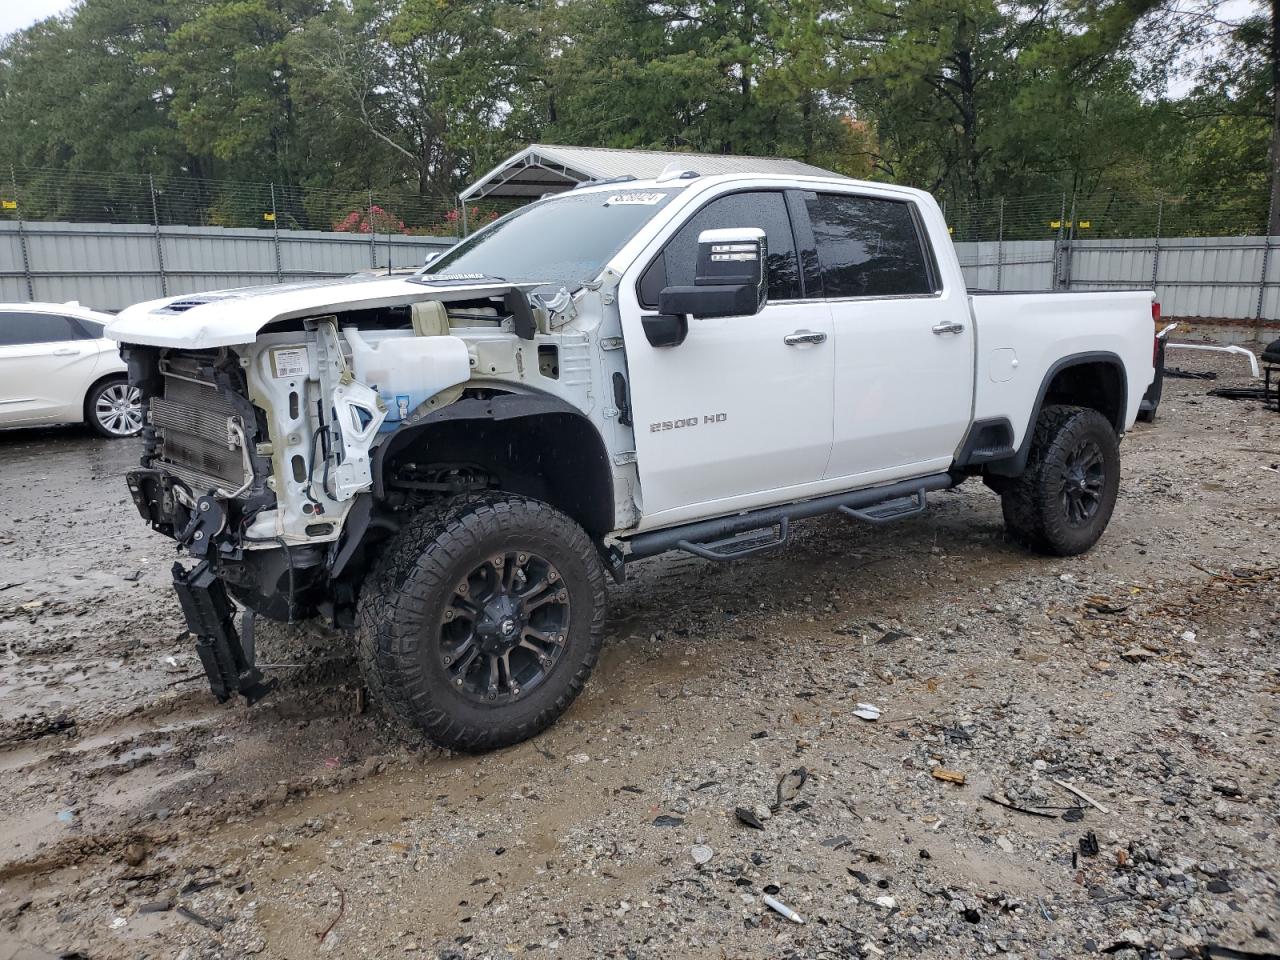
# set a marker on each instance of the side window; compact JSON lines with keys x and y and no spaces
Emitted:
{"x":767,"y":210}
{"x":88,"y":329}
{"x":868,"y":247}
{"x":22,"y":328}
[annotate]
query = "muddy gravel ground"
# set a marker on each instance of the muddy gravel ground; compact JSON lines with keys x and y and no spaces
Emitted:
{"x":138,"y":819}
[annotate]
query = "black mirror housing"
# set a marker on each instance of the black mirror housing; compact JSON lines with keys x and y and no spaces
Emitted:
{"x":731,"y":279}
{"x":736,"y":300}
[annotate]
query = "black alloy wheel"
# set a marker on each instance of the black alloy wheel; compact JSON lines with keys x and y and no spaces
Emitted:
{"x":1083,"y":480}
{"x":504,"y":628}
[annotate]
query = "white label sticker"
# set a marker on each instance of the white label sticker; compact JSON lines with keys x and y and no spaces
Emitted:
{"x":289,"y":362}
{"x":642,"y":199}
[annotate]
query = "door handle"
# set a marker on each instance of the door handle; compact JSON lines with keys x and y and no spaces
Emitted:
{"x":948,"y":326}
{"x":802,"y":337}
{"x":66,"y":352}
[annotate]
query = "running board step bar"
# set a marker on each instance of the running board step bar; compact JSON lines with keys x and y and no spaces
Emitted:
{"x":746,"y":534}
{"x":889,"y":510}
{"x":745,"y":544}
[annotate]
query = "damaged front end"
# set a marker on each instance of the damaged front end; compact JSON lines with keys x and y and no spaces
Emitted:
{"x":204,"y":480}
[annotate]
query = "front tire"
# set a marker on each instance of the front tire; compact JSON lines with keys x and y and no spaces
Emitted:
{"x":1064,"y":499}
{"x":482,"y":622}
{"x":113,"y":409}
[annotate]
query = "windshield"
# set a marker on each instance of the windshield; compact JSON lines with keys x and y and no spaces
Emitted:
{"x":565,"y":240}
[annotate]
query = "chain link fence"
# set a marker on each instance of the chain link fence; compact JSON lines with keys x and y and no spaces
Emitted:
{"x":49,"y":195}
{"x":1205,"y":256}
{"x":1104,"y":216}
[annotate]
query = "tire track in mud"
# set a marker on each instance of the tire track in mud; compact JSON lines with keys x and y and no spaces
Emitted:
{"x":698,"y":658}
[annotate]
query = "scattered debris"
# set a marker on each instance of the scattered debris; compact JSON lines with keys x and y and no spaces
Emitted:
{"x":1089,"y":844}
{"x":188,"y":914}
{"x":748,"y":818}
{"x":777,"y":906}
{"x":947,"y":776}
{"x":667,"y":820}
{"x":1014,"y":806}
{"x":789,"y":785}
{"x":701,"y":854}
{"x":1081,"y":794}
{"x":133,"y":854}
{"x":1139,"y":654}
{"x":342,"y":908}
{"x":866,"y":711}
{"x":1227,"y":788}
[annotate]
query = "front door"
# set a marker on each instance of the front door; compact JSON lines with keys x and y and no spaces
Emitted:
{"x":904,"y":340}
{"x":742,"y":408}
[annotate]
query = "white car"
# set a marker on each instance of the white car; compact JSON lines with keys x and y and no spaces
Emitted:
{"x":57,"y":367}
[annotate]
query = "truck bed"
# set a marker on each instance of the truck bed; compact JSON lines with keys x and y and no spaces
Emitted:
{"x":1022,"y":337}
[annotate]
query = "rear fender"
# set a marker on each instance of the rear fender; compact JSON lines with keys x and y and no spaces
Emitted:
{"x":1114,"y":411}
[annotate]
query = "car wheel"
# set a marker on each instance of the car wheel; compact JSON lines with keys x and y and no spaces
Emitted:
{"x":114,"y":409}
{"x":481,"y":623}
{"x":1064,"y":499}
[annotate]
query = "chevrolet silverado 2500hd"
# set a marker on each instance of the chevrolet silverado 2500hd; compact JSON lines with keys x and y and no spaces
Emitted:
{"x":452,"y":462}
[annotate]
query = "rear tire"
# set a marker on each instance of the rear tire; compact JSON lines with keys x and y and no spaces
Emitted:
{"x":1063,"y":500}
{"x":113,"y":409}
{"x":482,"y":622}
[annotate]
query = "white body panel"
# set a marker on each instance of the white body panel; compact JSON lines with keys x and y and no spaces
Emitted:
{"x":732,"y":411}
{"x":48,"y":382}
{"x":225,"y":318}
{"x":904,"y":374}
{"x":1022,"y":335}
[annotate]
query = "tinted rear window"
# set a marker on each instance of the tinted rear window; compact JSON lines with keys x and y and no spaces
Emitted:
{"x":868,"y":247}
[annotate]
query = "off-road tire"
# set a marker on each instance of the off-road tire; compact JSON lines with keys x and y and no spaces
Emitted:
{"x":1034,"y":511}
{"x":405,"y":595}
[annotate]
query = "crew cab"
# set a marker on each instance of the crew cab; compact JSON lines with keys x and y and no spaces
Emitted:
{"x":451,"y":463}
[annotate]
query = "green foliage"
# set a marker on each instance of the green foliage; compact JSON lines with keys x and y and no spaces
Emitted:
{"x":973,"y":99}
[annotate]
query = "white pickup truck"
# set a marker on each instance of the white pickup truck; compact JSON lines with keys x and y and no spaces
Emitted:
{"x":452,"y":462}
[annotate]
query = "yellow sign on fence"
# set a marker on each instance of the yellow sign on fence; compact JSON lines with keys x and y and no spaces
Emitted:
{"x":269,"y":217}
{"x":9,"y":204}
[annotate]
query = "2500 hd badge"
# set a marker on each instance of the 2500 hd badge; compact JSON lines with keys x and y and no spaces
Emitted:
{"x":661,"y":425}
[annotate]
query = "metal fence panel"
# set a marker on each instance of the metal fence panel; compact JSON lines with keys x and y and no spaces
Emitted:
{"x":110,"y":266}
{"x":1211,"y":278}
{"x":1207,"y":277}
{"x":1011,"y":265}
{"x":1217,"y":277}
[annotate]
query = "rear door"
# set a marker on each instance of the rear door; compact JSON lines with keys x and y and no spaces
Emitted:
{"x":904,"y":340}
{"x":47,"y":362}
{"x":742,"y":407}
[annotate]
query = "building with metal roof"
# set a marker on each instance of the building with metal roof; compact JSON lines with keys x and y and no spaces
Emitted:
{"x":545,"y":168}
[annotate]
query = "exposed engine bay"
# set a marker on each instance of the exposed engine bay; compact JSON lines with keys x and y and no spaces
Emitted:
{"x":277,"y":464}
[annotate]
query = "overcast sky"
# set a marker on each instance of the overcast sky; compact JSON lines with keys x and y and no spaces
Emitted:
{"x":23,"y":13}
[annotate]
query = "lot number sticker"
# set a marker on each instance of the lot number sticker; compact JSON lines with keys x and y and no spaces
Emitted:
{"x":635,"y":199}
{"x":289,"y":362}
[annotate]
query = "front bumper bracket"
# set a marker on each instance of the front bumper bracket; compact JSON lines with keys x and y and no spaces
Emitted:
{"x":211,"y":620}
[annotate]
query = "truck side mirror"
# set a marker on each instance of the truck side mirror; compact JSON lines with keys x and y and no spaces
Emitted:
{"x":732,"y":278}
